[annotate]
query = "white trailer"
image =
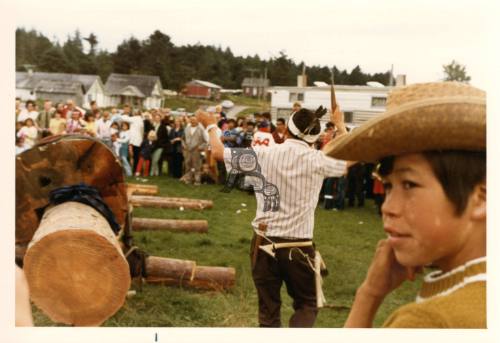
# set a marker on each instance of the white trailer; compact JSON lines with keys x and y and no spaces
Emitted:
{"x":359,"y":103}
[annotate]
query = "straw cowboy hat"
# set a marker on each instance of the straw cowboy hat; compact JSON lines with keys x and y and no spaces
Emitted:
{"x":420,"y":117}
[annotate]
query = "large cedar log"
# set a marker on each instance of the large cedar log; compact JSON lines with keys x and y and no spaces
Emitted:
{"x":75,"y":268}
{"x":60,"y":161}
{"x":166,"y":202}
{"x":140,"y":224}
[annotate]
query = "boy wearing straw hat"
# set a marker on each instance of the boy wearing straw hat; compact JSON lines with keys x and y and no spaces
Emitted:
{"x":431,"y":145}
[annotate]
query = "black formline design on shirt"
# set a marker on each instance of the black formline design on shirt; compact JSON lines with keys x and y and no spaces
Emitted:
{"x":244,"y":162}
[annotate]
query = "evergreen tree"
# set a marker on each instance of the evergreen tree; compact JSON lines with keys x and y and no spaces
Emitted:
{"x":128,"y":57}
{"x":53,"y":60}
{"x":455,"y":72}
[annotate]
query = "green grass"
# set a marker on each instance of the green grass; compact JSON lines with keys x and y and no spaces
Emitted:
{"x":345,"y":239}
{"x":192,"y":104}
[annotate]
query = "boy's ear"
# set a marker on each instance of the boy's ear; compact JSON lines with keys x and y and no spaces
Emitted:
{"x":479,"y":202}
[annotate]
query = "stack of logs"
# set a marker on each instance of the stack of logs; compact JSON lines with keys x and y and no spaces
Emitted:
{"x":75,"y":264}
{"x":169,"y":271}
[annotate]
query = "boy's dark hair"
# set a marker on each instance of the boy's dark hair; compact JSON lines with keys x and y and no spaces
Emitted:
{"x":458,"y":172}
{"x":266,"y":115}
{"x":303,"y":118}
{"x":231,"y":120}
{"x":281,"y":120}
{"x":251,"y":123}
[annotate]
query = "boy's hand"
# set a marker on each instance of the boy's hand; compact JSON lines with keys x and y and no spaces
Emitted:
{"x":205,"y":118}
{"x":385,"y":273}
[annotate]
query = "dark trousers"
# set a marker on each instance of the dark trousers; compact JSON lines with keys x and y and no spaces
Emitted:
{"x":340,"y":193}
{"x":176,"y":166}
{"x":355,"y":187}
{"x":137,"y":151}
{"x":269,"y":274}
{"x":222,"y":174}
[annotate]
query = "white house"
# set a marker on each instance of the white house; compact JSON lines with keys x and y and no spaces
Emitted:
{"x":359,"y":103}
{"x":136,"y":90}
{"x":54,"y":86}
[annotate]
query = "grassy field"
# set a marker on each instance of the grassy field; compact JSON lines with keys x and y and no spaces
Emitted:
{"x":192,"y":104}
{"x":345,"y":239}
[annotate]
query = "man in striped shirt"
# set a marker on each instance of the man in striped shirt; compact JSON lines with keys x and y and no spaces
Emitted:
{"x":287,"y":179}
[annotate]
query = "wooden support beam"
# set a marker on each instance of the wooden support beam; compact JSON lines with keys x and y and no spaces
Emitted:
{"x":166,"y":202}
{"x":138,"y":189}
{"x":206,"y":278}
{"x":140,"y":224}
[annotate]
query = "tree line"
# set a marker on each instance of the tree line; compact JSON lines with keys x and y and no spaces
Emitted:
{"x":175,"y":65}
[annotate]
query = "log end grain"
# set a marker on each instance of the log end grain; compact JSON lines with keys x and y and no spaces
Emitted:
{"x":77,"y":277}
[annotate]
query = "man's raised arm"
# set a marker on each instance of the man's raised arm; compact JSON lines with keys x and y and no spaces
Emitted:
{"x":209,"y":122}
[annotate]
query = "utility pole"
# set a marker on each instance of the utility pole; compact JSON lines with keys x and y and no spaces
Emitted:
{"x":391,"y":77}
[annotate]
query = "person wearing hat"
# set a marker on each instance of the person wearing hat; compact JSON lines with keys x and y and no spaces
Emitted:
{"x":431,"y":149}
{"x":287,"y":179}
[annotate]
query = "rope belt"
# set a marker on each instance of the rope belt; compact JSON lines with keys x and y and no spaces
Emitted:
{"x":270,"y":248}
{"x":317,"y":265}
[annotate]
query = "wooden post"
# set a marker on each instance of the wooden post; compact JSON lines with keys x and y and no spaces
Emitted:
{"x":164,"y":202}
{"x":171,"y":269}
{"x":137,"y":189}
{"x":140,"y":224}
{"x":172,"y":272}
{"x":75,"y":268}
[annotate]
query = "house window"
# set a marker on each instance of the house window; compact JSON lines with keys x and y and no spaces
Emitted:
{"x":379,"y":101}
{"x":296,"y":97}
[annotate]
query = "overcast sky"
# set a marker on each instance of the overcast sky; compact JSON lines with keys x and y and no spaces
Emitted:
{"x":417,"y":37}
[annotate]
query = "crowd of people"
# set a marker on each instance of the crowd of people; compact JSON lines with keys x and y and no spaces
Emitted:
{"x":148,"y":141}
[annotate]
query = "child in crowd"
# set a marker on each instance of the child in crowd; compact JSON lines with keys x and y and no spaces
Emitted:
{"x":75,"y":124}
{"x":124,"y":140}
{"x":434,"y":213}
{"x":90,"y":127}
{"x":206,"y":175}
{"x":115,"y":143}
{"x":146,"y":152}
{"x":29,"y":132}
{"x":20,"y":145}
{"x":230,"y":136}
{"x":114,"y":128}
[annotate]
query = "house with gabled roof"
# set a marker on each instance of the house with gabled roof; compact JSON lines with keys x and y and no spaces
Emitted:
{"x":137,"y":90}
{"x":255,"y":86}
{"x":60,"y":87}
{"x":202,"y":89}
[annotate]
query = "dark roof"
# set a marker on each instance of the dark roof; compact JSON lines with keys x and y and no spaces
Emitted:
{"x":61,"y":87}
{"x":116,"y":83}
{"x":24,"y":80}
{"x":255,"y":82}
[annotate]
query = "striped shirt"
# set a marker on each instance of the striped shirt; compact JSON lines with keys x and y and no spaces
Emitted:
{"x":298,"y":172}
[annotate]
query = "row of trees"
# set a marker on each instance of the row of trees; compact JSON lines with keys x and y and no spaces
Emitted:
{"x":175,"y":65}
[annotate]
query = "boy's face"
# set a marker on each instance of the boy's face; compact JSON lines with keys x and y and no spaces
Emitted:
{"x":420,"y":220}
